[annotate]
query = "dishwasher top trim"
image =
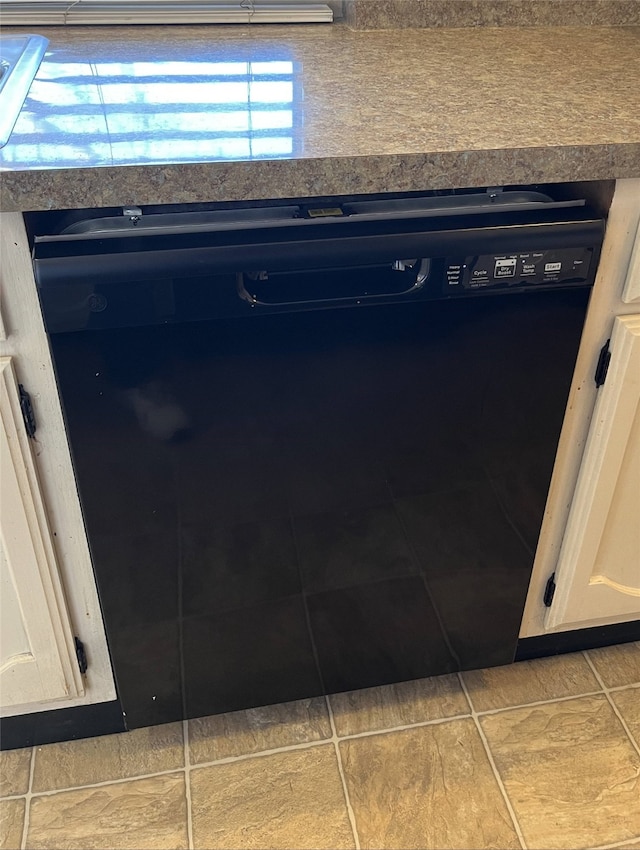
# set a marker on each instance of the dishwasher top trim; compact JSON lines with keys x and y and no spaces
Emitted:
{"x":135,"y":222}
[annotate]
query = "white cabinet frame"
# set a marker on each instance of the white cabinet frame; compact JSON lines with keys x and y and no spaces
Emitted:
{"x":606,"y":302}
{"x":26,"y":342}
{"x":598,"y":571}
{"x":37,"y":651}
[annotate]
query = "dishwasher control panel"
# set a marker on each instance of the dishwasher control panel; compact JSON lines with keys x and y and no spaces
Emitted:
{"x":527,"y":268}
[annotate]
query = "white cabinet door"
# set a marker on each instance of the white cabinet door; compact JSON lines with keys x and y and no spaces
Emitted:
{"x":598,"y":570}
{"x":37,"y":651}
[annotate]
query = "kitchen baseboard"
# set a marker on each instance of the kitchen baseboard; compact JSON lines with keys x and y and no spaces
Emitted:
{"x":562,"y":642}
{"x":61,"y":724}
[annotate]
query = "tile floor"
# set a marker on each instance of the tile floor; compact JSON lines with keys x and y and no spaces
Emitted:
{"x":541,"y":754}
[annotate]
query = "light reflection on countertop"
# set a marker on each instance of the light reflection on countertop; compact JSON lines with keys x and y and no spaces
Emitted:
{"x":144,"y":112}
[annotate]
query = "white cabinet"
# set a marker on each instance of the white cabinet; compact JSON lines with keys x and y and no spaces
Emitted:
{"x":598,"y":571}
{"x":590,"y":537}
{"x":47,"y":590}
{"x":37,"y":651}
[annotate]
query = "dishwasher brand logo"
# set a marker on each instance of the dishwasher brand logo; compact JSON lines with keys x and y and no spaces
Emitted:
{"x":97,"y":303}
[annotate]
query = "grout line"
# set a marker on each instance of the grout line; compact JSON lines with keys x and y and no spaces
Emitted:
{"x":305,"y":602}
{"x":420,"y":574}
{"x":347,"y":799}
{"x":615,"y":708}
{"x":183,"y":682}
{"x":383,"y":731}
{"x":102,"y":784}
{"x":489,"y":711}
{"x":617,"y":844}
{"x":27,"y":805}
{"x":187,"y":781}
{"x":619,"y":688}
{"x":272,"y":752}
{"x":507,"y":515}
{"x":494,"y":767}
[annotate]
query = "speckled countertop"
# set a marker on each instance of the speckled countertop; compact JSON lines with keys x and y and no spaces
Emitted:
{"x":172,"y":114}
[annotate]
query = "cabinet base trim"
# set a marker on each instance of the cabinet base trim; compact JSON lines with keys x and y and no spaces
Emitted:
{"x":61,"y":724}
{"x":558,"y":643}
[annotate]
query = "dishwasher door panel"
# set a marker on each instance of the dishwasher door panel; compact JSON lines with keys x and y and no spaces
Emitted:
{"x":285,"y":505}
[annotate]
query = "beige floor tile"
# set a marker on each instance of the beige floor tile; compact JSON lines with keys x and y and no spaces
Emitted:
{"x":284,"y":800}
{"x":570,"y":771}
{"x":14,"y":772}
{"x":142,"y":813}
{"x":11,"y":824}
{"x":257,"y":729}
{"x":628,"y":704}
{"x":530,"y":681}
{"x":618,"y":665}
{"x":430,"y":787}
{"x":120,"y":756}
{"x":398,"y":705}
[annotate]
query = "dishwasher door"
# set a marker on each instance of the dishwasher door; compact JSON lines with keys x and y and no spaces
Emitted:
{"x":283,"y":503}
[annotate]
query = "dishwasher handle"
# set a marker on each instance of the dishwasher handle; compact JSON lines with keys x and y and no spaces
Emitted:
{"x":417,"y":282}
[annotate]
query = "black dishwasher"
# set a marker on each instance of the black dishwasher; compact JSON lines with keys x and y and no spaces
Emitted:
{"x":312,"y":439}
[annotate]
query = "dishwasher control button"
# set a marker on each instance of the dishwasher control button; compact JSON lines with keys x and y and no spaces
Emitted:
{"x":505,"y":268}
{"x":552,"y":267}
{"x":480,"y":274}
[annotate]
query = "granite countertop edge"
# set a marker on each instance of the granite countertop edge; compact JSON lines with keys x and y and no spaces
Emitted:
{"x":103,"y":186}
